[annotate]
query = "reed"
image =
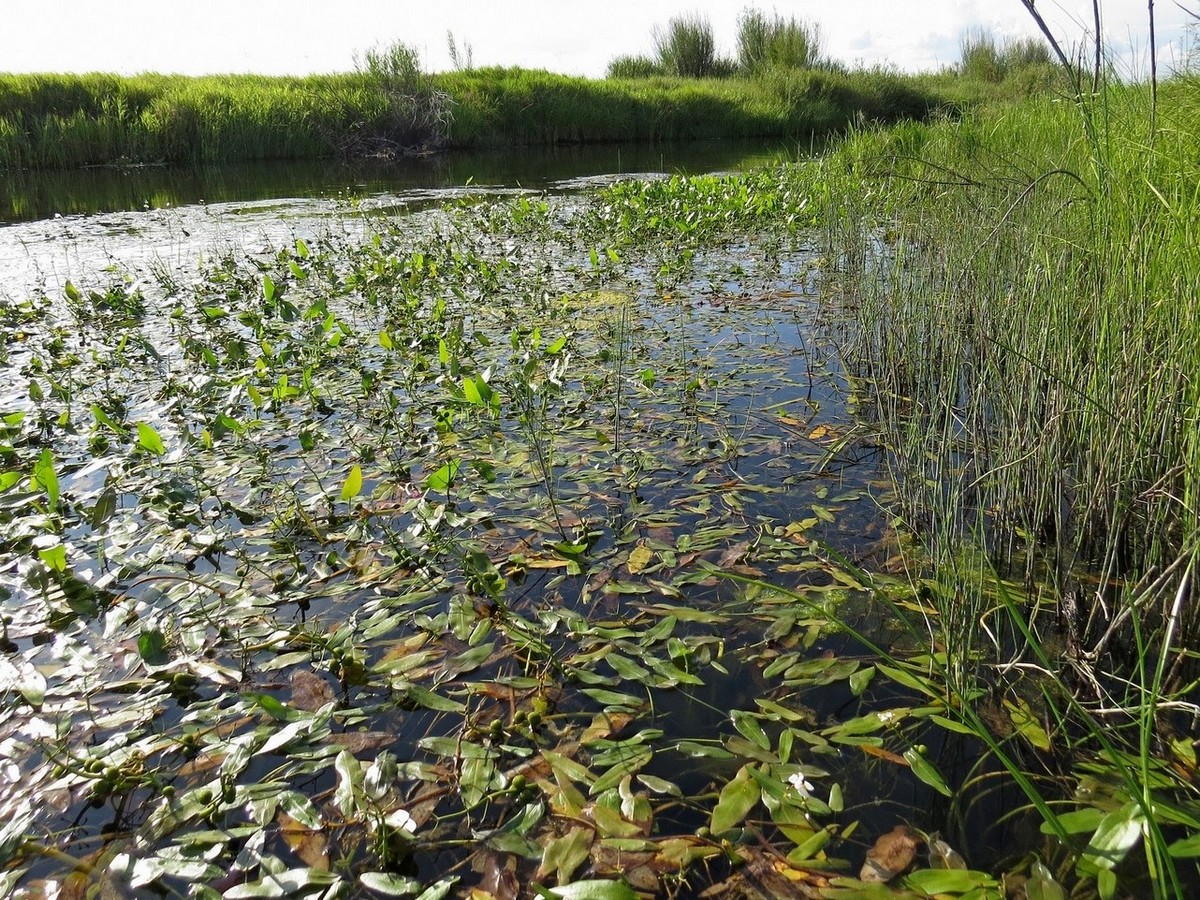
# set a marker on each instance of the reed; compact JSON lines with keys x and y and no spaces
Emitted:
{"x":764,"y":41}
{"x":1025,"y":293}
{"x":64,"y":121}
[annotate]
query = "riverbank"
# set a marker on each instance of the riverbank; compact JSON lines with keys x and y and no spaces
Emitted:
{"x":70,"y":121}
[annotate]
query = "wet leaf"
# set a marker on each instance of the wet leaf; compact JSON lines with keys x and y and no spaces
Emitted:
{"x":1118,"y":833}
{"x":45,"y":478}
{"x":441,"y":480}
{"x":282,"y":884}
{"x":943,"y":856}
{"x":310,"y":692}
{"x":152,"y":647}
{"x":890,"y":855}
{"x":563,"y":855}
{"x":949,"y":881}
{"x":389,"y":885}
{"x":640,"y":558}
{"x":27,"y":680}
{"x":926,"y":771}
{"x":750,"y":729}
{"x":1026,"y":724}
{"x":595,"y":890}
{"x":310,"y":845}
{"x":1041,"y":884}
{"x":737,"y":798}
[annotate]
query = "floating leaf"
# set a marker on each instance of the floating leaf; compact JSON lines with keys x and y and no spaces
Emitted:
{"x":595,"y":890}
{"x":1026,"y":723}
{"x":639,"y":558}
{"x":943,"y":856}
{"x":1118,"y":833}
{"x":441,"y":480}
{"x":390,"y":885}
{"x":949,"y":881}
{"x":152,"y":647}
{"x":563,"y":855}
{"x":310,"y":691}
{"x":737,"y":798}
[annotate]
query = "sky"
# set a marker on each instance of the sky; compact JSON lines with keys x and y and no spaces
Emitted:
{"x":571,"y":36}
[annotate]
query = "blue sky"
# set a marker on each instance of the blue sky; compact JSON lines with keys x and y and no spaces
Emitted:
{"x":300,"y":36}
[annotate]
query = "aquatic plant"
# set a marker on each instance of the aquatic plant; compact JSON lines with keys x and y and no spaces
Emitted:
{"x":1019,"y":285}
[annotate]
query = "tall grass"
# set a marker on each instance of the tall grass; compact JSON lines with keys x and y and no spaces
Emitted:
{"x":764,"y":41}
{"x":1026,"y":293}
{"x":63,"y":121}
{"x":984,"y":58}
{"x":686,"y":47}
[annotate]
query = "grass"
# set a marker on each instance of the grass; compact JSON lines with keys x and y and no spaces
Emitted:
{"x":1025,"y":281}
{"x":64,"y":121}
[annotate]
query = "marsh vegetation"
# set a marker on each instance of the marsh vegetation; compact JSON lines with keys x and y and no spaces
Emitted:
{"x":824,"y":530}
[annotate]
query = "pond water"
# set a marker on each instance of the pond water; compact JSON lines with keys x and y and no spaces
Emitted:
{"x":382,"y":534}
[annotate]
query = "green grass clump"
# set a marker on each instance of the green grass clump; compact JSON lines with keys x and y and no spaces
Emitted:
{"x":64,"y":121}
{"x":764,"y":42}
{"x":1025,"y":282}
{"x":687,"y":48}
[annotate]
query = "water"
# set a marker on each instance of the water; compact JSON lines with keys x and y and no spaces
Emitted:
{"x":709,"y":460}
{"x":30,"y":196}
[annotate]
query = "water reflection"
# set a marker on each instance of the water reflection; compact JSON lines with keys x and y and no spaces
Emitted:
{"x":29,"y":196}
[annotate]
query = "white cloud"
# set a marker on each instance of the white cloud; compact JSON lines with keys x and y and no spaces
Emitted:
{"x":273,"y":36}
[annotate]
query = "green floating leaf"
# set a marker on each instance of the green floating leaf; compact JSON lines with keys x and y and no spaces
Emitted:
{"x":442,"y":479}
{"x":949,"y":881}
{"x":1027,"y":724}
{"x":438,"y":891}
{"x":1187,"y":848}
{"x":353,"y":484}
{"x":565,"y":854}
{"x":54,"y":557}
{"x":595,"y":890}
{"x":737,"y":798}
{"x":149,"y":440}
{"x":1077,"y":822}
{"x":152,"y":647}
{"x":750,"y":729}
{"x":926,"y":771}
{"x":860,"y":680}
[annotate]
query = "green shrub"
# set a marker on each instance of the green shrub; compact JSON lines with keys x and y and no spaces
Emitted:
{"x":687,"y":47}
{"x":983,"y":58}
{"x":763,"y":42}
